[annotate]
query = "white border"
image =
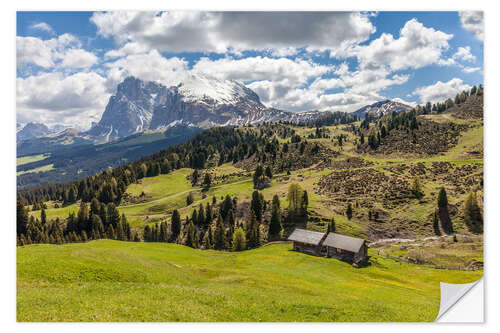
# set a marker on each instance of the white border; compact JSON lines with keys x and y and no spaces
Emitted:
{"x":492,"y":139}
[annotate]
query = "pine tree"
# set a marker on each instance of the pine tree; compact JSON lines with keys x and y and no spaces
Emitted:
{"x":190,"y":235}
{"x":147,"y":234}
{"x":239,"y":240}
{"x":163,"y":232}
{"x":256,"y":205}
{"x":331,"y":226}
{"x":176,"y":225}
{"x":348,"y":211}
{"x":207,"y":182}
{"x":442,"y":198}
{"x":126,"y":228}
{"x":82,"y":217}
{"x":21,"y":218}
{"x":208,"y":214}
{"x":444,"y":215}
{"x":113,"y":215}
{"x":43,"y":216}
{"x":269,"y":173}
{"x":194,"y":177}
{"x":275,"y":223}
{"x":120,"y":234}
{"x":257,"y":176}
{"x":472,"y":214}
{"x":253,"y":231}
{"x":110,"y":233}
{"x":416,"y":188}
{"x":219,"y":235}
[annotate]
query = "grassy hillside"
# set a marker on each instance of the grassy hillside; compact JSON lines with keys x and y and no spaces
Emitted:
{"x":375,"y":182}
{"x":121,"y":281}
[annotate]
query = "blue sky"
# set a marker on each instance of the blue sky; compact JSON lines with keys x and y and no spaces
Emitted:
{"x":69,"y":63}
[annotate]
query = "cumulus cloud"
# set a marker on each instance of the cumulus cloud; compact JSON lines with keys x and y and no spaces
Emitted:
{"x":185,"y":31}
{"x":473,"y":22}
{"x":284,"y":83}
{"x":64,"y":50}
{"x":440,"y":91}
{"x":416,"y":47}
{"x":463,"y":53}
{"x":33,"y":50}
{"x":78,"y":58}
{"x":151,"y":66}
{"x":53,"y":98}
{"x":42,"y":26}
{"x":293,"y":72}
{"x":127,"y":49}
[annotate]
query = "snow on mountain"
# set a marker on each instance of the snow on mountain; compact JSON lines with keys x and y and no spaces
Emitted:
{"x":198,"y":101}
{"x":197,"y":88}
{"x":382,"y":108}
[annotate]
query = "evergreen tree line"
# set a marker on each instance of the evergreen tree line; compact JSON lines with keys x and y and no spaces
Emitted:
{"x":92,"y":221}
{"x":215,"y":226}
{"x":227,"y":144}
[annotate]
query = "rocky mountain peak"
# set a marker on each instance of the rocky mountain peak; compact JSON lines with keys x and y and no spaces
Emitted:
{"x":381,"y":108}
{"x":198,"y":101}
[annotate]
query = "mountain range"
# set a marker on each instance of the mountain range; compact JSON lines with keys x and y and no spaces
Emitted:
{"x":198,"y":102}
{"x":143,"y":117}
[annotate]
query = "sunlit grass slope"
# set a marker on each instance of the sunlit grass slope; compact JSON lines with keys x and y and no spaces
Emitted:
{"x":123,"y":281}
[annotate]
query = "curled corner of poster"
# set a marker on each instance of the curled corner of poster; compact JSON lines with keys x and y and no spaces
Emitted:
{"x":462,"y":303}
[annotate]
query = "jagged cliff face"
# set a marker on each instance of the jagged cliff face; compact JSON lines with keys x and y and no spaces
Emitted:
{"x":130,"y":110}
{"x":198,"y":101}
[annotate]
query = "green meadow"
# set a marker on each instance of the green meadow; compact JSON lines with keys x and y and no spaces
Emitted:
{"x":123,"y":281}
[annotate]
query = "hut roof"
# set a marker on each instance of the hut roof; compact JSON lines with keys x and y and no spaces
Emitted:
{"x":346,"y":243}
{"x":306,"y":236}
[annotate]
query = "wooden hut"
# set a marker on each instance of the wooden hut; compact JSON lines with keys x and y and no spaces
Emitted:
{"x":345,"y":248}
{"x":308,"y":241}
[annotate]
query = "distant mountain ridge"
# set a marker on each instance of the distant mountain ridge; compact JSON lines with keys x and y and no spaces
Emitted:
{"x":31,"y":130}
{"x":381,"y":108}
{"x":198,"y":101}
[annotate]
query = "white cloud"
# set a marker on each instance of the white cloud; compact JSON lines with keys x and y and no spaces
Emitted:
{"x":469,"y":70}
{"x":447,"y":62}
{"x":185,"y":31}
{"x":53,"y":98}
{"x":473,"y":22}
{"x":127,"y":49}
{"x":150,"y":66}
{"x":463,"y":53}
{"x":64,"y":50}
{"x":293,"y":72}
{"x":400,"y":100}
{"x":33,"y":50}
{"x":416,"y":47}
{"x":42,"y":26}
{"x":440,"y":91}
{"x":78,"y":58}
